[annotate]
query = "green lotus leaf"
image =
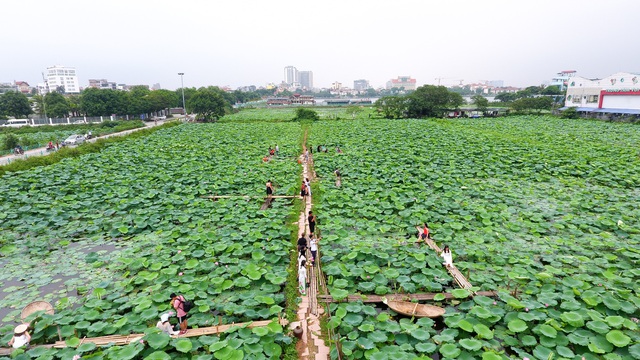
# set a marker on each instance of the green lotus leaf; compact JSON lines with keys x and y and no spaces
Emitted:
{"x":73,"y":342}
{"x":450,"y":351}
{"x":542,"y":352}
{"x":439,"y":297}
{"x":427,"y":348}
{"x":158,"y":340}
{"x":339,"y":294}
{"x":130,"y":351}
{"x":599,"y":345}
{"x":460,"y":293}
{"x":378,"y":336}
{"x":420,"y":334}
{"x":368,"y":327}
{"x":341,"y":283}
{"x":483,"y":331}
{"x":158,"y":355}
{"x":598,"y":326}
{"x":528,"y":340}
{"x":353,"y":319}
{"x":634,"y":351}
{"x":517,"y":325}
{"x":548,"y":331}
{"x":491,"y":356}
{"x":618,"y":338}
{"x":614,"y":321}
{"x":465,"y":325}
{"x":573,"y":319}
{"x":86,"y":347}
{"x":565,"y":352}
{"x":365,"y":343}
{"x":183,"y":345}
{"x":471,"y":344}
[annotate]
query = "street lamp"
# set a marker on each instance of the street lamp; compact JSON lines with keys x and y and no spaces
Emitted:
{"x":182,"y":85}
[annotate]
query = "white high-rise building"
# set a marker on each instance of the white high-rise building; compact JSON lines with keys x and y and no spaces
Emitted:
{"x":60,"y":76}
{"x":290,"y":75}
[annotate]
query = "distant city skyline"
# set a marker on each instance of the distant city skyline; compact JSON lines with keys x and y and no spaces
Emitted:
{"x":519,"y":43}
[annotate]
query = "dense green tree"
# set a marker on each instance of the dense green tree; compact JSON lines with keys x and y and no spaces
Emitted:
{"x":57,"y":105}
{"x":138,"y":102}
{"x":74,"y":104}
{"x":162,"y":99}
{"x":15,"y":104}
{"x":208,"y":104}
{"x":506,"y":97}
{"x":480,"y":102}
{"x":102,"y":102}
{"x":432,"y":101}
{"x":305,"y":114}
{"x":570,"y":113}
{"x":551,"y":90}
{"x":392,"y":107}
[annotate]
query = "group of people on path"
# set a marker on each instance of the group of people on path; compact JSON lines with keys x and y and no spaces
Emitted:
{"x":303,"y":281}
{"x":446,"y":252}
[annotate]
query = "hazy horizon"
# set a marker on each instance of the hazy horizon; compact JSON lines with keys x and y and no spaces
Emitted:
{"x":250,"y":42}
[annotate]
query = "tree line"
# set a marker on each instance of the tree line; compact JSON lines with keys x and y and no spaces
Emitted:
{"x":435,"y":101}
{"x":209,"y":102}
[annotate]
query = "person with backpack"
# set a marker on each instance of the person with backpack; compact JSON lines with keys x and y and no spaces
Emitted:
{"x":182,"y":307}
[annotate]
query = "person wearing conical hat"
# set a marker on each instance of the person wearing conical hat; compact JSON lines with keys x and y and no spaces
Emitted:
{"x":20,"y":336}
{"x":165,"y":326}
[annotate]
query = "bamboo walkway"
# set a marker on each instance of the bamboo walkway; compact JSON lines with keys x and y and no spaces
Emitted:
{"x":396,"y":297}
{"x":309,"y":311}
{"x":127,"y":339}
{"x":453,"y":270}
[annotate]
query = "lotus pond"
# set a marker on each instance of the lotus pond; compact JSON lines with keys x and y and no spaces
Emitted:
{"x":543,"y":206}
{"x":537,"y":204}
{"x":107,"y":236}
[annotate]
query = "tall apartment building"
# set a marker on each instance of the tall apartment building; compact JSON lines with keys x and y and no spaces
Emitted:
{"x":290,"y":75}
{"x":61,"y":76}
{"x":306,"y":79}
{"x":361,"y":85}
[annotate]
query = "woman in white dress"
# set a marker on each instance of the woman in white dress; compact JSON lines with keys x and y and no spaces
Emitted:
{"x":448,"y":258}
{"x":302,"y":277}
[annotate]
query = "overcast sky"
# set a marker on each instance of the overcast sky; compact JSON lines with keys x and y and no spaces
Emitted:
{"x":249,"y":42}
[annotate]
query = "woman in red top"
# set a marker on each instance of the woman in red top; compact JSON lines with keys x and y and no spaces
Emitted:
{"x":177,"y":302}
{"x":425,"y":232}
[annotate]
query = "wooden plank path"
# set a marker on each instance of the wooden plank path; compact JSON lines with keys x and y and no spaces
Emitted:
{"x":453,"y":270}
{"x":127,"y":339}
{"x":396,"y":297}
{"x":216,"y":197}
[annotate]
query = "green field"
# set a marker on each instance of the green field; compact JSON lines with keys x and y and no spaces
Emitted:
{"x":543,"y":206}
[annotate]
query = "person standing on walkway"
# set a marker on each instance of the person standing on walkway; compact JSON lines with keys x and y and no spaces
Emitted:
{"x":269,"y":189}
{"x":302,"y":243}
{"x":307,"y":183}
{"x":277,"y":150}
{"x":303,"y":192}
{"x":306,"y":155}
{"x":425,"y":232}
{"x":177,"y":302}
{"x":448,"y":258}
{"x":312,"y":222}
{"x":302,"y":277}
{"x":313,"y":246}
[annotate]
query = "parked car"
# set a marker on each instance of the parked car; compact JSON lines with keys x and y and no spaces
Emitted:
{"x":79,"y":122}
{"x":73,"y":140}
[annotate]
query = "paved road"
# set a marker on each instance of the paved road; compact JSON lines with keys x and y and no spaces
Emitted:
{"x":43,"y":150}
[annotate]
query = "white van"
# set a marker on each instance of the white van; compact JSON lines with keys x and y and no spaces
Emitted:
{"x":17,"y":123}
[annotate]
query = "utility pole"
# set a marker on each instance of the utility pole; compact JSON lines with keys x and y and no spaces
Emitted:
{"x":184,"y":107}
